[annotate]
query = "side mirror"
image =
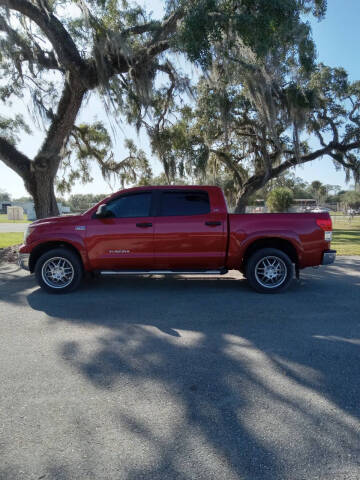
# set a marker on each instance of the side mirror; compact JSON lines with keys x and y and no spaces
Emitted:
{"x":103,"y":212}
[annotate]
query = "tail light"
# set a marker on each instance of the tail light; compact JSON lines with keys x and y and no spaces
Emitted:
{"x":326,"y":225}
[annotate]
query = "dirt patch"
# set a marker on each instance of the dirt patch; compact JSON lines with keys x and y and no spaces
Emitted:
{"x":9,"y":254}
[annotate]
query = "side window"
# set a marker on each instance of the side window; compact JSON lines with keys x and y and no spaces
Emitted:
{"x":181,"y":202}
{"x":137,"y":205}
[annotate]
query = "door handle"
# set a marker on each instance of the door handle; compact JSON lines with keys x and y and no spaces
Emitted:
{"x":213,"y":224}
{"x":144,"y":225}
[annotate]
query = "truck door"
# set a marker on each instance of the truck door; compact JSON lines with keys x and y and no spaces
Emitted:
{"x":190,"y":234}
{"x":125,"y":241}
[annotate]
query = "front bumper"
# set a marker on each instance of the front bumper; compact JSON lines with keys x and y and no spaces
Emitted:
{"x":24,"y":260}
{"x":329,"y":257}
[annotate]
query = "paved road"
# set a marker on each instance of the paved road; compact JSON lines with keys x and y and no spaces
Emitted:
{"x":139,"y":378}
{"x":12,"y":227}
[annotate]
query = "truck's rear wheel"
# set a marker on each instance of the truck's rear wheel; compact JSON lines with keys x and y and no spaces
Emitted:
{"x":59,"y":271}
{"x":269,"y":270}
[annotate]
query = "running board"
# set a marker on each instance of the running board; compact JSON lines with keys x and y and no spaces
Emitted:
{"x":223,"y":271}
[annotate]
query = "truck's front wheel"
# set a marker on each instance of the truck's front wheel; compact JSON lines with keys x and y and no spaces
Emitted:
{"x":59,"y":271}
{"x":269,"y":270}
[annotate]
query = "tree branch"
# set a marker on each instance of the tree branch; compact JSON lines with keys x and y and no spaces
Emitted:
{"x":225,"y":158}
{"x":161,"y":29}
{"x":320,"y":137}
{"x":166,"y":68}
{"x":37,"y":55}
{"x":61,"y":125}
{"x":57,"y":35}
{"x":158,"y":44}
{"x":14,"y":159}
{"x":327,"y":150}
{"x":139,"y":29}
{"x":351,"y":115}
{"x":257,"y":181}
{"x":156,"y":48}
{"x":333,"y":126}
{"x":169,"y":25}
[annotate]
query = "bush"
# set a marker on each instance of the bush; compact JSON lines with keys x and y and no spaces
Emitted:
{"x":279,"y":199}
{"x":351,"y":199}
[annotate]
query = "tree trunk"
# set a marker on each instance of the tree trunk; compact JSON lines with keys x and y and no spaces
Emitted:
{"x":41,"y":188}
{"x":251,"y":186}
{"x":243,"y":199}
{"x":241,"y":204}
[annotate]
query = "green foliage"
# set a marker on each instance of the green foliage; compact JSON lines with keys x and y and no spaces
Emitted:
{"x":10,"y":128}
{"x":82,"y":202}
{"x":351,"y":199}
{"x":297,"y":185}
{"x":4,"y":196}
{"x":162,"y":180}
{"x":251,"y":133}
{"x":300,"y":189}
{"x":92,"y":144}
{"x":22,"y":200}
{"x":318,"y":190}
{"x":279,"y":199}
{"x":120,"y":49}
{"x":262,"y":25}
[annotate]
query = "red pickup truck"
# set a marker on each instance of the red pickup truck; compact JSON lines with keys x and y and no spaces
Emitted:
{"x":175,"y":230}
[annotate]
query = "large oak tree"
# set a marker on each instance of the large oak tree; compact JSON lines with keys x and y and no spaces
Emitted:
{"x":245,"y":130}
{"x":54,"y":53}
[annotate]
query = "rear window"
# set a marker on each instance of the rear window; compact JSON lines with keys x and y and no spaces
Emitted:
{"x":181,"y":202}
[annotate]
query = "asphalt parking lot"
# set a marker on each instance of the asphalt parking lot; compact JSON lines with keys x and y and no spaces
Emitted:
{"x":181,"y":378}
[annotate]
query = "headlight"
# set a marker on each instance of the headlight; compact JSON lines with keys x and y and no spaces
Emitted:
{"x":27,"y":232}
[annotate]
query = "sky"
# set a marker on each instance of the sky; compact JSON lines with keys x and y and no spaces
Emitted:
{"x":337,"y":38}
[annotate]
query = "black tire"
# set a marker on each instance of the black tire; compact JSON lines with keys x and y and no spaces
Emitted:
{"x":272,"y":278}
{"x":72,"y":267}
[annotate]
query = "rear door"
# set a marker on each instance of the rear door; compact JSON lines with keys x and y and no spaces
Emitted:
{"x":124,"y":241}
{"x":190,"y":234}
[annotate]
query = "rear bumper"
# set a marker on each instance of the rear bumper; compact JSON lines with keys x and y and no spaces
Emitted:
{"x":24,"y":260}
{"x":329,"y":257}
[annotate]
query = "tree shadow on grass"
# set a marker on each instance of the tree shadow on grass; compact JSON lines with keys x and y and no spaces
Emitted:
{"x":347,"y":236}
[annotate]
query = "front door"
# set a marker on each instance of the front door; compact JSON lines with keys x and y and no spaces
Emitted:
{"x":124,"y":241}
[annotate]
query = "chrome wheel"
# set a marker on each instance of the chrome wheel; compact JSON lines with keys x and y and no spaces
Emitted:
{"x":271,"y":272}
{"x":57,"y":272}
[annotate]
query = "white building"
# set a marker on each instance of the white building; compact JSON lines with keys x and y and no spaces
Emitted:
{"x":29,"y":209}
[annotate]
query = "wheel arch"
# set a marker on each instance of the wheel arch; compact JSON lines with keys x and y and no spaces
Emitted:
{"x":282,"y":244}
{"x":46,"y":247}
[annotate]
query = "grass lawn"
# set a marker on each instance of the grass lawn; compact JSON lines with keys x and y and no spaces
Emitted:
{"x":346,"y":235}
{"x":9,"y":239}
{"x":4,"y":219}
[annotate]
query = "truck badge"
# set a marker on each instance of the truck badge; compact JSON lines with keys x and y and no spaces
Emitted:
{"x":119,"y":251}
